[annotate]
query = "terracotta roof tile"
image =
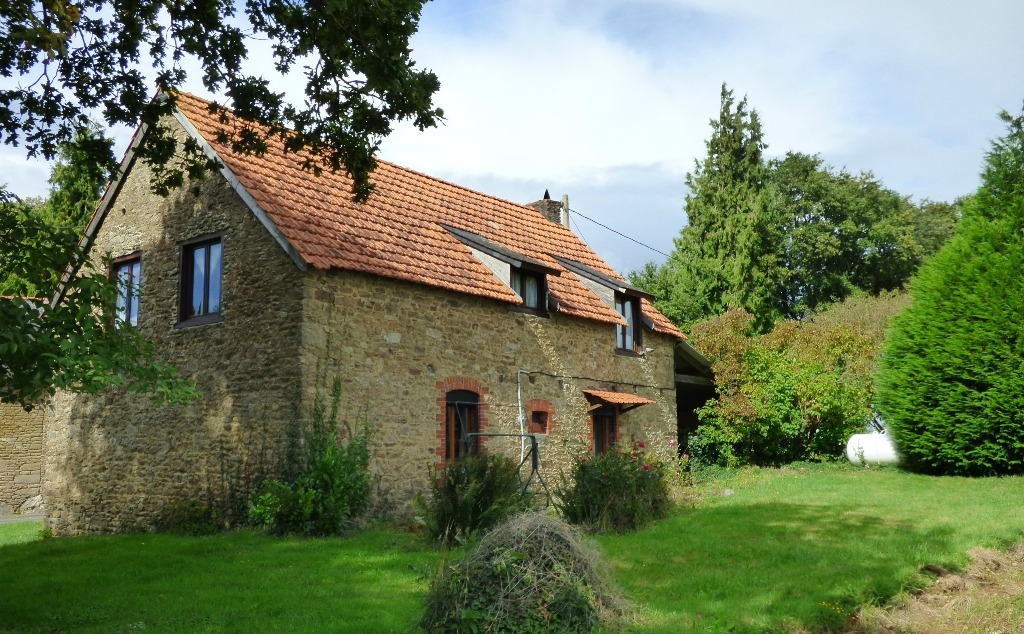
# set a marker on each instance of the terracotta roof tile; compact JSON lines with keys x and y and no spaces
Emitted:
{"x":398,"y":232}
{"x":618,"y":398}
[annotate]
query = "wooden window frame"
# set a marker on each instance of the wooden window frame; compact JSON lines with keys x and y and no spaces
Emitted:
{"x":116,"y":266}
{"x":186,"y":279}
{"x":604,"y":436}
{"x":462,"y":409}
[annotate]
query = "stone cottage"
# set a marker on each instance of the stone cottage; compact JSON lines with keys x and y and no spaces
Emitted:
{"x":443,"y":311}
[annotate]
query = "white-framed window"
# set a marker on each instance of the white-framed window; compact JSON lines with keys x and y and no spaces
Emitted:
{"x":128,"y":273}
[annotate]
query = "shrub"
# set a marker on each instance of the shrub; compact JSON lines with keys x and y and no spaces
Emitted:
{"x":334,"y":491}
{"x":327,"y":485}
{"x":951,"y":386}
{"x":472,"y":494}
{"x":796,"y":393}
{"x":531,"y":574}
{"x":617,"y":491}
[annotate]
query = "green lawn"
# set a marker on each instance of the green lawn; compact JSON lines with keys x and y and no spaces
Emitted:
{"x":236,"y":582}
{"x":19,"y":533}
{"x":805,"y":547}
{"x":796,"y":548}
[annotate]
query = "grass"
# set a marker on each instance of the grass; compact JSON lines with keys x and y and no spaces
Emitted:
{"x":802,"y":549}
{"x":20,"y":533}
{"x":796,"y":549}
{"x":235,"y":582}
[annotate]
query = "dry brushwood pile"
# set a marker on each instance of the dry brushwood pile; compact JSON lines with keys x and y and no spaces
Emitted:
{"x":534,"y":573}
{"x":986,"y":598}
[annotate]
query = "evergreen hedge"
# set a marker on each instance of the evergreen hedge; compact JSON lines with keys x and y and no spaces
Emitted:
{"x":951,"y":384}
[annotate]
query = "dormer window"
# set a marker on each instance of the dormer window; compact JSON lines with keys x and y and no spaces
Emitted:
{"x":628,"y":337}
{"x":530,"y":286}
{"x":526,"y":276}
{"x":620,"y":296}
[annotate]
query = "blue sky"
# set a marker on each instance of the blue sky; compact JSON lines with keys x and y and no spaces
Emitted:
{"x":608,"y":101}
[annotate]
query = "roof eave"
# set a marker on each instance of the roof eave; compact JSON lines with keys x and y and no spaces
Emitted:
{"x":100,"y":214}
{"x":242,"y":192}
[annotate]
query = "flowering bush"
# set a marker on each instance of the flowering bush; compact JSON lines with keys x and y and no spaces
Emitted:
{"x":617,"y":491}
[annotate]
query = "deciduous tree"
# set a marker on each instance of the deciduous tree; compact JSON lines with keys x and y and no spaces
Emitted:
{"x":69,"y":61}
{"x":843,"y":232}
{"x":795,"y":393}
{"x":786,"y":237}
{"x":75,"y":344}
{"x":73,"y":60}
{"x":72,"y":345}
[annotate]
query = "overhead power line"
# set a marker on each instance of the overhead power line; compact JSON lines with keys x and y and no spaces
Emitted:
{"x":620,"y":233}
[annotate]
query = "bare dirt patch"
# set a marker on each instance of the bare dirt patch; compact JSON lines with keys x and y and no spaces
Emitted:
{"x":987,"y":598}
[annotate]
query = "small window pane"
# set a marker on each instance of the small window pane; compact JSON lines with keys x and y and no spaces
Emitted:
{"x":627,"y":309}
{"x":135,"y":279}
{"x":199,"y":281}
{"x":540,"y":423}
{"x":214,"y":298}
{"x":122,"y":291}
{"x":126,"y":308}
{"x":625,"y":338}
{"x":531,"y":291}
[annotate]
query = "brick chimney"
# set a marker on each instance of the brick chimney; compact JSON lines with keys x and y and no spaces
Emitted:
{"x":551,"y":209}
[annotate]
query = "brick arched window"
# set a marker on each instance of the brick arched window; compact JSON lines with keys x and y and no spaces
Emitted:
{"x":462,"y":417}
{"x":460,"y":411}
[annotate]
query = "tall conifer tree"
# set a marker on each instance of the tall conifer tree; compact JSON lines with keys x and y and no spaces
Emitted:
{"x":952,"y":379}
{"x":727,"y":255}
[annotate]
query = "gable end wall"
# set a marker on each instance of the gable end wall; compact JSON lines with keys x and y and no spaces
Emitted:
{"x":116,"y":461}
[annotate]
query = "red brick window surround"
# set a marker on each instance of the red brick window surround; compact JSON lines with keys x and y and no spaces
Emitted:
{"x":540,"y":416}
{"x":460,"y":403}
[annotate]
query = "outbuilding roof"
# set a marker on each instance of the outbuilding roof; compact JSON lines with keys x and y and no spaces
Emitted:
{"x":404,"y":230}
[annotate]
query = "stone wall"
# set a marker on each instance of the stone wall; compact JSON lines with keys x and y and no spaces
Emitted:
{"x":21,"y":455}
{"x":397,"y":345}
{"x":117,"y":461}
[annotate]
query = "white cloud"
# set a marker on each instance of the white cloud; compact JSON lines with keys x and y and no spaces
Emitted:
{"x":609,"y":100}
{"x":579,"y":95}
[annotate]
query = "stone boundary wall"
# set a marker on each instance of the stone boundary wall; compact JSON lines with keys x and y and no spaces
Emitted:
{"x":21,"y":455}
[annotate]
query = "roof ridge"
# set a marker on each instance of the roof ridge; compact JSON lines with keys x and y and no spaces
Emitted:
{"x":397,"y":166}
{"x":398,"y":233}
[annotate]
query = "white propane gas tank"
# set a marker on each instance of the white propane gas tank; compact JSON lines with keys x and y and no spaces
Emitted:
{"x":875,"y":449}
